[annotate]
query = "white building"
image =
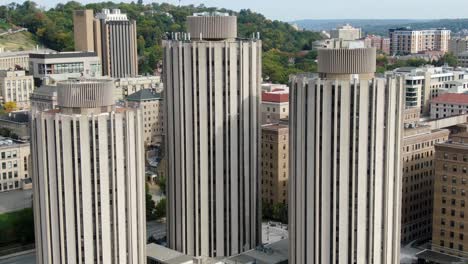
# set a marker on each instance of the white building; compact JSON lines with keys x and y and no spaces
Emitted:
{"x":16,"y":86}
{"x":44,"y":98}
{"x":212,"y":94}
{"x":346,"y":32}
{"x":345,"y":176}
{"x":49,"y":68}
{"x":425,"y":83}
{"x":89,"y":178}
{"x":15,"y":164}
{"x":449,"y":104}
{"x":10,"y":60}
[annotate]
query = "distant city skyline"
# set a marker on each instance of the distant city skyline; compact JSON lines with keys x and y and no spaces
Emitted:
{"x":331,"y":9}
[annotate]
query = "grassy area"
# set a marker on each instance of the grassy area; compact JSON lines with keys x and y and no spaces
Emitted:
{"x":19,"y":41}
{"x":17,"y":228}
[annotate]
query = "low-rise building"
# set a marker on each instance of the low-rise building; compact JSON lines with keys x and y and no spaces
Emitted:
{"x":275,"y":106}
{"x":151,"y":105}
{"x":43,"y":98}
{"x":16,"y":86}
{"x":274,"y":161}
{"x":17,"y":123}
{"x":450,"y":218}
{"x":127,"y":86}
{"x":462,"y":59}
{"x":14,"y":164}
{"x":380,"y":43}
{"x":12,"y":60}
{"x":449,"y":104}
{"x":49,"y":68}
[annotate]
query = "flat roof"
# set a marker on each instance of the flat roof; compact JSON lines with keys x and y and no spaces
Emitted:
{"x":165,"y":255}
{"x":430,"y":255}
{"x":275,"y":253}
{"x":58,"y":55}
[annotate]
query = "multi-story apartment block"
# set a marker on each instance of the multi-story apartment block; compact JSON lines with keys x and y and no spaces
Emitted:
{"x":15,"y":164}
{"x":458,"y":46}
{"x":450,"y":217}
{"x":212,"y":85}
{"x":275,"y":163}
{"x":16,"y":86}
{"x":275,"y":106}
{"x":89,"y":178}
{"x":127,"y":86}
{"x":418,"y":177}
{"x":151,"y":105}
{"x":49,"y":68}
{"x":112,"y":36}
{"x":345,"y":165}
{"x":462,"y":59}
{"x":381,"y":44}
{"x":346,"y":32}
{"x":449,"y":104}
{"x":425,"y":83}
{"x":408,"y":41}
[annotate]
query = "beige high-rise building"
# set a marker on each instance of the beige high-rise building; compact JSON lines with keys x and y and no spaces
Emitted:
{"x":450,"y":197}
{"x":345,"y":167}
{"x":16,"y":86}
{"x":83,"y":22}
{"x":408,"y":41}
{"x":212,"y":88}
{"x":275,"y":163}
{"x":112,"y":36}
{"x":458,"y":46}
{"x":418,"y":157}
{"x":89,"y":178}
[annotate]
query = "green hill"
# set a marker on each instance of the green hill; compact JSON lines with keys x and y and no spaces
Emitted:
{"x":18,"y":41}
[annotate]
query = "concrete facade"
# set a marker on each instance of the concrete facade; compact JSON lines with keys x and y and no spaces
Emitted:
{"x":458,"y":46}
{"x":275,"y":163}
{"x":44,"y":98}
{"x":345,"y":167}
{"x":15,"y":166}
{"x":50,"y":68}
{"x":151,"y":104}
{"x":406,"y":41}
{"x":418,"y":157}
{"x":16,"y":86}
{"x":275,"y":106}
{"x":346,"y":32}
{"x":212,"y":95}
{"x":127,"y":86}
{"x":450,"y":213}
{"x":89,"y":178}
{"x":449,"y":104}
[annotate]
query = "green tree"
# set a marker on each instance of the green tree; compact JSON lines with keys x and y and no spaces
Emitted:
{"x":161,"y":208}
{"x":150,"y":205}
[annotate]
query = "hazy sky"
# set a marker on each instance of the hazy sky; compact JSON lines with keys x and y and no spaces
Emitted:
{"x":288,"y":10}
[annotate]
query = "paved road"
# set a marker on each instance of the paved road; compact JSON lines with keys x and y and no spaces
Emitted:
{"x":23,"y":259}
{"x":156,"y":229}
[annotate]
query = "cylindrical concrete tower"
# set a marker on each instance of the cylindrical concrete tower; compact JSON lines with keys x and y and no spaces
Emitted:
{"x":345,"y":133}
{"x":212,"y":88}
{"x":89,"y":188}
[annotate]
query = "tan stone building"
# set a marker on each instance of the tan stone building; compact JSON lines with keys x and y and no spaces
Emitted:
{"x":346,"y":32}
{"x":417,"y":177}
{"x":275,"y":106}
{"x":275,"y":160}
{"x":14,"y":164}
{"x":151,"y":105}
{"x":16,"y":86}
{"x":450,"y":217}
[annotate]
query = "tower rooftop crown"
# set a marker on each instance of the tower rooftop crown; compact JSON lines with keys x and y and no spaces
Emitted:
{"x":87,"y":93}
{"x":212,"y":26}
{"x":340,"y":62}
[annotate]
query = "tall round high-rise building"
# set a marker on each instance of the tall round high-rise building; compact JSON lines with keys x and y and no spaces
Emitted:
{"x":89,"y":188}
{"x":212,"y":87}
{"x":345,"y":188}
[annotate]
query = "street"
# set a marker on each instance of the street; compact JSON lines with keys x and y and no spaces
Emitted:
{"x":29,"y":258}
